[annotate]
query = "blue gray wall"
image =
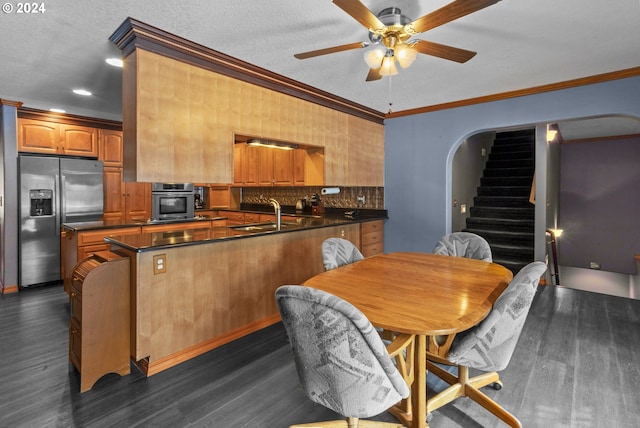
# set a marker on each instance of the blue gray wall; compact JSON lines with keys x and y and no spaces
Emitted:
{"x":600,"y":204}
{"x":419,"y":151}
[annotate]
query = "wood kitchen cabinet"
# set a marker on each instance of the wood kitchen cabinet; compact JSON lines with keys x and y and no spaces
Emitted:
{"x":275,"y":167}
{"x":219,"y":197}
{"x":263,"y":166}
{"x":372,"y":238}
{"x":128,"y":202}
{"x":78,"y":245}
{"x":110,"y":147}
{"x":99,"y":328}
{"x":299,"y":159}
{"x":39,"y":136}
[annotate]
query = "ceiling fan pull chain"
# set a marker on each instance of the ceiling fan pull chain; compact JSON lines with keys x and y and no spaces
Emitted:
{"x":390,"y":100}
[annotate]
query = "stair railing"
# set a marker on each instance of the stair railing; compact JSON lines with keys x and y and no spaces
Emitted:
{"x":555,"y":274}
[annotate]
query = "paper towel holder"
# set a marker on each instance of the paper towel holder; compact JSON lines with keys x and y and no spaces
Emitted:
{"x":330,"y":190}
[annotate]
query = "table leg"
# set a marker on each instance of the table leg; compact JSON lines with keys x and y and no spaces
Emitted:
{"x":412,"y":412}
{"x":419,"y":387}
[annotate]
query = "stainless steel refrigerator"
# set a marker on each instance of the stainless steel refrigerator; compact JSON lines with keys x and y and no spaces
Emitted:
{"x":53,"y":191}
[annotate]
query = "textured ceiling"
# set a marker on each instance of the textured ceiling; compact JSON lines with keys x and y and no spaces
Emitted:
{"x":520,"y":44}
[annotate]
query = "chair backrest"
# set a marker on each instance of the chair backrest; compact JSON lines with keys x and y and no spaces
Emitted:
{"x":489,"y":345}
{"x":338,"y":252}
{"x":341,"y":360}
{"x":464,"y":244}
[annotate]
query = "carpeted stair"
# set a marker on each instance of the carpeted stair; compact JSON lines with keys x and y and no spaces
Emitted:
{"x":502,"y":213}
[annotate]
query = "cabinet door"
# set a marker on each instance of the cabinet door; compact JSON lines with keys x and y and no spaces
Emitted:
{"x":299,"y":158}
{"x":79,"y":140}
{"x":219,"y":197}
{"x":110,"y":145}
{"x":250,"y":162}
{"x":114,"y":196}
{"x":282,"y":167}
{"x":138,"y":201}
{"x":238,"y":163}
{"x":37,"y":136}
{"x":264,"y":165}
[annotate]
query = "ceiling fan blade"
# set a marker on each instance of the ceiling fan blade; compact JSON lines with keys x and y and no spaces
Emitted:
{"x":360,"y":13}
{"x":443,"y":51}
{"x":374,"y":74}
{"x":448,"y":13}
{"x":334,"y":49}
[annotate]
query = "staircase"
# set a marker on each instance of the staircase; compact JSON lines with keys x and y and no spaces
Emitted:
{"x":502,"y":213}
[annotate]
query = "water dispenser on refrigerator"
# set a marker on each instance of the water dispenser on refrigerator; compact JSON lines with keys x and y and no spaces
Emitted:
{"x":40,"y":202}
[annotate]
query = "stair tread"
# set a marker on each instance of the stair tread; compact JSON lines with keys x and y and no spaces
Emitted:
{"x":509,"y":246}
{"x":497,"y":231}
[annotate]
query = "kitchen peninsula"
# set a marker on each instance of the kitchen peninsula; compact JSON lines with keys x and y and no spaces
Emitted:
{"x":198,"y":285}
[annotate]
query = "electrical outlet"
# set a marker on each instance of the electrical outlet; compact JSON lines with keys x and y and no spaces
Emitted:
{"x":463,"y":208}
{"x":594,"y":265}
{"x":159,"y":264}
{"x":361,"y":199}
{"x":484,"y":152}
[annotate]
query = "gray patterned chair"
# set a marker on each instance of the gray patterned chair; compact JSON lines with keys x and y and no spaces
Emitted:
{"x":488,"y":346}
{"x":464,"y":244}
{"x":341,"y":361}
{"x":338,"y":252}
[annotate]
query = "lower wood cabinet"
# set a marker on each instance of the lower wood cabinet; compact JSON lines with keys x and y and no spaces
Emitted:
{"x":372,"y":237}
{"x":79,"y":245}
{"x":99,"y":328}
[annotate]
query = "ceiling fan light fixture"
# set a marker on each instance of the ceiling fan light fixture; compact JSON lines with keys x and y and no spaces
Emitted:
{"x":405,"y":55}
{"x":388,"y":67}
{"x":373,"y":57}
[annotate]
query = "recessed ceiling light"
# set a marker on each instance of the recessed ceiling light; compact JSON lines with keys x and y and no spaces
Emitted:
{"x":57,"y":110}
{"x":82,"y":92}
{"x":116,"y":62}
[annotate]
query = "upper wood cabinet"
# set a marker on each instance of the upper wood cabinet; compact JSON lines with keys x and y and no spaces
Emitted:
{"x":299,"y":156}
{"x":266,"y":166}
{"x":37,"y":136}
{"x":110,"y":147}
{"x":262,"y":166}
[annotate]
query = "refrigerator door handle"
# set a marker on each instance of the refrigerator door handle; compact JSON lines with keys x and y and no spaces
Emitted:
{"x":59,"y":209}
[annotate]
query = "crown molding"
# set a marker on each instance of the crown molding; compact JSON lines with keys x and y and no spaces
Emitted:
{"x":615,"y":75}
{"x":69,"y":119}
{"x":15,"y":104}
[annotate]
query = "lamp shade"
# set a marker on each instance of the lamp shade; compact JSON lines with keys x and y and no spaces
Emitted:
{"x":374,"y":57}
{"x":388,"y":67}
{"x":405,"y":55}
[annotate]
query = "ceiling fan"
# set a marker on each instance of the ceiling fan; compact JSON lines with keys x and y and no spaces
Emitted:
{"x":391,"y":32}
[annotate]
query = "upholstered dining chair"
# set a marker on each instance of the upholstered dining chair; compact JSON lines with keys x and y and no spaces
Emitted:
{"x":338,"y":252}
{"x":487,"y":347}
{"x":464,"y":244}
{"x":341,"y":361}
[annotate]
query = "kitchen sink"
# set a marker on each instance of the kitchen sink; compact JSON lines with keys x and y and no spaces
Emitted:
{"x":264,"y":227}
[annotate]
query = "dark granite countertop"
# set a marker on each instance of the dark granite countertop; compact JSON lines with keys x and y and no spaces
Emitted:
{"x":196,"y":236}
{"x":204,"y":234}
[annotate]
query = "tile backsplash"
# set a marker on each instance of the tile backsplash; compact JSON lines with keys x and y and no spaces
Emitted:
{"x":347,"y":198}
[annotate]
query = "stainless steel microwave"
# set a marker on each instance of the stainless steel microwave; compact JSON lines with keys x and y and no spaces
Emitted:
{"x":172,"y":201}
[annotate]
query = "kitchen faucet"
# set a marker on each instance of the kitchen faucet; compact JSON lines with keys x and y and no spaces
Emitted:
{"x":276,"y":207}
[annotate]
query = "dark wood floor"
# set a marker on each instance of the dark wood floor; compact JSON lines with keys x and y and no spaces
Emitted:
{"x":577,"y":365}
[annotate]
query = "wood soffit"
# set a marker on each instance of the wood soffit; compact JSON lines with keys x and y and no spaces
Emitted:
{"x":133,"y":34}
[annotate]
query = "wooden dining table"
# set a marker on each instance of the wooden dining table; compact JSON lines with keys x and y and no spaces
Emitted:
{"x":428,"y":295}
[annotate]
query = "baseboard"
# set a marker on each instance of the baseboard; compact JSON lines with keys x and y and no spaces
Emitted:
{"x":10,"y":289}
{"x":150,"y":367}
